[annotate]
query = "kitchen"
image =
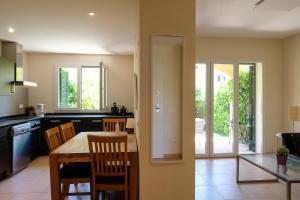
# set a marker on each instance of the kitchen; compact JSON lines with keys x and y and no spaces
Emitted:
{"x":30,"y":90}
{"x":22,"y":134}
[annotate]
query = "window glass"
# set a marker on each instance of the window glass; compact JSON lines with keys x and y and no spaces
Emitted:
{"x":90,"y":88}
{"x":82,"y":88}
{"x":67,"y":88}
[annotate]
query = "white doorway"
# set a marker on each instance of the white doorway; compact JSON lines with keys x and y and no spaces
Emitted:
{"x":224,"y":108}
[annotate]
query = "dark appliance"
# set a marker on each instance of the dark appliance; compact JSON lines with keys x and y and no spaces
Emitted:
{"x":292,"y":142}
{"x":22,"y":143}
{"x":4,"y":152}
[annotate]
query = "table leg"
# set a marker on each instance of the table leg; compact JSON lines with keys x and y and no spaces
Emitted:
{"x":54,"y":177}
{"x":133,"y":182}
{"x":288,"y":190}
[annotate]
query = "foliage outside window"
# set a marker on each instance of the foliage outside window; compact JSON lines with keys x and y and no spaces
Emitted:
{"x":222,"y":106}
{"x":68,"y":88}
{"x":81,"y":88}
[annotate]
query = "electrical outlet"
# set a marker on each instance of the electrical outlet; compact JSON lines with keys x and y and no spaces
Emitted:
{"x":21,"y":106}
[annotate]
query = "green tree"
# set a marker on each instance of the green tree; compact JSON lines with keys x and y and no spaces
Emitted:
{"x":243,"y":105}
{"x":222,"y":103}
{"x":222,"y":108}
{"x":200,"y":104}
{"x":72,"y":94}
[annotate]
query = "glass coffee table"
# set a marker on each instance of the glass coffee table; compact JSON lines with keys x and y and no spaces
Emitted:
{"x":267,"y":162}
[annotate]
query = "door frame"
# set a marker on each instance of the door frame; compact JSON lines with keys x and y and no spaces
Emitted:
{"x":209,"y":109}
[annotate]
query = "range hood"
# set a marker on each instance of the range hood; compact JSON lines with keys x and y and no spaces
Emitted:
{"x":24,"y":83}
{"x":14,"y":52}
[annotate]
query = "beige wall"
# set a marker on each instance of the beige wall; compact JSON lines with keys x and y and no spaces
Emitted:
{"x":269,"y":53}
{"x":291,"y":79}
{"x":42,"y":70}
{"x":173,"y":180}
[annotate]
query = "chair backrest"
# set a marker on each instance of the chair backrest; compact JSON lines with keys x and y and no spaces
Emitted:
{"x":108,"y":155}
{"x":67,"y":131}
{"x":53,"y":138}
{"x":109,"y":124}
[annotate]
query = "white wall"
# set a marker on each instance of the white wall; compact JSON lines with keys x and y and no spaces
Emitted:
{"x":42,"y":70}
{"x":269,"y":53}
{"x":291,"y":79}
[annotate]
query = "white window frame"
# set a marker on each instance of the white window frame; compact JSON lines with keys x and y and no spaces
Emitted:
{"x":103,"y":105}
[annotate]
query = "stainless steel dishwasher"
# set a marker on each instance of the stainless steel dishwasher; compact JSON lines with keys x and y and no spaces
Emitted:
{"x":21,"y":146}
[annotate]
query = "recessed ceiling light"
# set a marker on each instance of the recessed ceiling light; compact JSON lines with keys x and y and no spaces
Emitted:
{"x":11,"y":30}
{"x":91,"y":14}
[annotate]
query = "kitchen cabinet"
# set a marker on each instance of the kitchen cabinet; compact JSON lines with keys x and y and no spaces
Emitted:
{"x":80,"y":123}
{"x":36,"y":137}
{"x":5,"y":152}
{"x":7,"y":76}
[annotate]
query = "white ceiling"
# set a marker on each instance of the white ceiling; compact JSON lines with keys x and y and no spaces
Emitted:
{"x":239,"y":18}
{"x":63,"y":26}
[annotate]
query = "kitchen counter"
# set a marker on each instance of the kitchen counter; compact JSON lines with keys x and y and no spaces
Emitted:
{"x":17,"y":120}
{"x":23,"y":119}
{"x":87,"y":116}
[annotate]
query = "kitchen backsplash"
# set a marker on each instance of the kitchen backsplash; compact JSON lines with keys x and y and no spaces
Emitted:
{"x":9,"y":105}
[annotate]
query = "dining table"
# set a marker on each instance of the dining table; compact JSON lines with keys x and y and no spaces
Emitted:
{"x":77,"y":150}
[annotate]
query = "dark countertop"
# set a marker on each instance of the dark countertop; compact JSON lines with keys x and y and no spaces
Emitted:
{"x":86,"y":116}
{"x":8,"y":121}
{"x":17,"y":120}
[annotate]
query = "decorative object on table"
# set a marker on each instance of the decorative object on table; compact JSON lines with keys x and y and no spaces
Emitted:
{"x":115,"y":109}
{"x":282,"y":154}
{"x":123,"y":110}
{"x":29,"y":110}
{"x":130,"y":125}
{"x":294,"y":115}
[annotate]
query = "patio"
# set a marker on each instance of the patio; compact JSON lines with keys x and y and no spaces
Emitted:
{"x":222,"y":144}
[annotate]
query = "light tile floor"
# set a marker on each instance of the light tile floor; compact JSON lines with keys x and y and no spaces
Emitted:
{"x":215,"y":180}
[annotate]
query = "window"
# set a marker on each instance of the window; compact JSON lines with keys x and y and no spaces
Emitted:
{"x":81,"y":88}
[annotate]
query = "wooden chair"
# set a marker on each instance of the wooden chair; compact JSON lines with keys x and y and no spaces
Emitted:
{"x":67,"y":131}
{"x":69,"y":174}
{"x":109,"y":164}
{"x":53,"y":138}
{"x":109,"y":124}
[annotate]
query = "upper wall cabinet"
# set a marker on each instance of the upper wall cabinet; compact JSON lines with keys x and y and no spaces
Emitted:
{"x":7,"y":76}
{"x":14,"y":52}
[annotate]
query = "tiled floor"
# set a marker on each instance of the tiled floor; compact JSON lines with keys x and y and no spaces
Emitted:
{"x":215,"y":180}
{"x":30,"y":184}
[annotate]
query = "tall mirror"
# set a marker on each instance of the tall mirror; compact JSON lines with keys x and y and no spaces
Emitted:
{"x":166,"y":87}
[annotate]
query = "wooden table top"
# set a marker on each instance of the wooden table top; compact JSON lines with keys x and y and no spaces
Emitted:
{"x":79,"y":143}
